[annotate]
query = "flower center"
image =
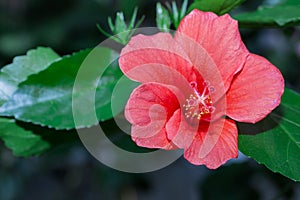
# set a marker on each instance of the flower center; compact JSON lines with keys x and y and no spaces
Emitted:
{"x":199,"y":104}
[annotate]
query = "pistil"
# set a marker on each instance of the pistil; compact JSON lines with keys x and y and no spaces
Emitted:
{"x":199,"y":104}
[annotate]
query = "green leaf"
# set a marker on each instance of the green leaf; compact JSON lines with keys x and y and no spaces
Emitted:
{"x":26,"y":139}
{"x":120,"y":25}
{"x":132,"y":26}
{"x":104,"y":91}
{"x":23,"y":66}
{"x":292,"y":2}
{"x":281,"y":15}
{"x":183,"y":9}
{"x":275,"y":141}
{"x":111,"y":25}
{"x":177,"y":13}
{"x":163,"y":20}
{"x":21,"y":141}
{"x":121,"y":28}
{"x":122,"y":33}
{"x":46,"y":98}
{"x":219,"y":7}
{"x":133,"y":18}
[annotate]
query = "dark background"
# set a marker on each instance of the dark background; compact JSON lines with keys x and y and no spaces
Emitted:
{"x":70,"y":172}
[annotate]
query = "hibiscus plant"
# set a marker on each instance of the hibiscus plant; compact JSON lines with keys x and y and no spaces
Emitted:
{"x":189,"y":85}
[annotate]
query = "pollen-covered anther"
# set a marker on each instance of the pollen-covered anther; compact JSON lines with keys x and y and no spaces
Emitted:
{"x":198,"y":105}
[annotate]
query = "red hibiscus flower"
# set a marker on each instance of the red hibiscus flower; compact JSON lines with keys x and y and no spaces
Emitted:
{"x":195,"y":85}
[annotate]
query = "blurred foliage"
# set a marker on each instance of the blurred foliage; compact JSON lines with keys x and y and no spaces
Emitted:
{"x":120,"y":32}
{"x":66,"y":26}
{"x":170,"y":14}
{"x":220,"y":7}
{"x":163,"y":19}
{"x":247,"y":181}
{"x":285,"y":13}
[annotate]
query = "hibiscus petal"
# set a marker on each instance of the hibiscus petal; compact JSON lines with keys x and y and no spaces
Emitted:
{"x":205,"y":67}
{"x":179,"y":131}
{"x":153,"y":135}
{"x":215,"y":149}
{"x":148,"y":109}
{"x":150,"y":53}
{"x":163,"y":75}
{"x":220,"y":37}
{"x":182,"y":134}
{"x":256,"y":91}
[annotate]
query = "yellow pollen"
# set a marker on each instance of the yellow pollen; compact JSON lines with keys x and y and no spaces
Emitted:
{"x":198,"y":104}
